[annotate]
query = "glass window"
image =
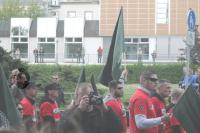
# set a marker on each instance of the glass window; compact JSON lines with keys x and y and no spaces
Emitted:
{"x":135,"y":40}
{"x":23,"y":31}
{"x":162,"y":11}
{"x":68,"y":39}
{"x":78,"y":39}
{"x":23,"y":49}
{"x":88,"y":15}
{"x":15,"y":39}
{"x":72,"y":50}
{"x":15,"y":31}
{"x":41,"y":39}
{"x":145,"y":51}
{"x":50,"y":39}
{"x":130,"y":51}
{"x":71,"y":14}
{"x":49,"y":49}
{"x":127,"y":39}
{"x":24,"y":39}
{"x":144,"y":39}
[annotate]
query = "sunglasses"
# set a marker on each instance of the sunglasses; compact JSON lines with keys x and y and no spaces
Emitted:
{"x":119,"y":88}
{"x":153,"y":79}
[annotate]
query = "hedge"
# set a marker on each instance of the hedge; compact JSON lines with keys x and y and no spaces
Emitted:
{"x":69,"y":74}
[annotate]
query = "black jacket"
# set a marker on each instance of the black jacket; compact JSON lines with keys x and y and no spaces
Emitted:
{"x":95,"y":121}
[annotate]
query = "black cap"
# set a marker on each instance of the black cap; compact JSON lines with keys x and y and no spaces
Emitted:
{"x":52,"y":86}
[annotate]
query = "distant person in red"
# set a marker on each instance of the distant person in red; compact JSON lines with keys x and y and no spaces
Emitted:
{"x":29,"y":108}
{"x":163,"y":91}
{"x":49,"y":111}
{"x":114,"y":101}
{"x":100,"y":53}
{"x":142,"y":113}
{"x":174,"y":126}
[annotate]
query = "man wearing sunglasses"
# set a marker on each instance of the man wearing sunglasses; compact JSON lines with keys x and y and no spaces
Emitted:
{"x":113,"y":100}
{"x":142,"y":112}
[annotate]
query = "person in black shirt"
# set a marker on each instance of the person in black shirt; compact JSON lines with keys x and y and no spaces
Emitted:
{"x":91,"y":117}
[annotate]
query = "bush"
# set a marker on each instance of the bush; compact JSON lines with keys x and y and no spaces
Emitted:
{"x":69,"y":74}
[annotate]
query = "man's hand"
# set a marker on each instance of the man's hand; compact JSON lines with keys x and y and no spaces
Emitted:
{"x":124,"y":73}
{"x":166,"y":117}
{"x":84,"y":103}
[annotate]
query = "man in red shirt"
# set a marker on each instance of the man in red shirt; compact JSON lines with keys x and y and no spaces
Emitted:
{"x":163,"y":91}
{"x":49,"y":111}
{"x":142,"y":112}
{"x":29,"y":108}
{"x":100,"y":53}
{"x":113,"y":100}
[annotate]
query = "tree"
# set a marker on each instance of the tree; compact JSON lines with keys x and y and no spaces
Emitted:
{"x":195,"y":51}
{"x":8,"y":62}
{"x":34,"y":10}
{"x":14,"y":8}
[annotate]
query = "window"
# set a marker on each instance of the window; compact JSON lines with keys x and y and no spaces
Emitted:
{"x":71,"y":14}
{"x":23,"y":31}
{"x":78,"y":39}
{"x":88,"y":15}
{"x":41,"y":39}
{"x":132,"y":49}
{"x":49,"y":49}
{"x":72,"y":50}
{"x":15,"y":31}
{"x":162,"y":11}
{"x":50,"y":39}
{"x":23,"y":49}
{"x":24,"y":39}
{"x":127,"y":39}
{"x":68,"y":39}
{"x":15,"y":39}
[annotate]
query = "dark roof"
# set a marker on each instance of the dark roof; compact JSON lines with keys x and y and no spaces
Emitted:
{"x":4,"y":28}
{"x":91,"y":28}
{"x":33,"y":29}
{"x":60,"y":29}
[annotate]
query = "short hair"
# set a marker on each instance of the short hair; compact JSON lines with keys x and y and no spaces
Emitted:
{"x":147,"y":74}
{"x":52,"y":86}
{"x":82,"y":86}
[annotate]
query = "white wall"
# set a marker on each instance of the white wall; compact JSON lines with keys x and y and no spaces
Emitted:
{"x":23,"y":22}
{"x":60,"y":50}
{"x":80,"y":9}
{"x":91,"y":44}
{"x":152,"y":47}
{"x":46,"y":27}
{"x":31,"y":46}
{"x":5,"y":43}
{"x":73,"y":27}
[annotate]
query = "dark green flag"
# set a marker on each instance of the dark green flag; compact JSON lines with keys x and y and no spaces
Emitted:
{"x":8,"y":112}
{"x":82,"y":77}
{"x":92,"y":80}
{"x":187,"y":111}
{"x":112,"y":69}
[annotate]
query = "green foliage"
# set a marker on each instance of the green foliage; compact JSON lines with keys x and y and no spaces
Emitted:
{"x":69,"y":74}
{"x":14,"y":8}
{"x":8,"y":62}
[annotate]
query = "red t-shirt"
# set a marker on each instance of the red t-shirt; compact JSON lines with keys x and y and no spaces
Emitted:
{"x":28,"y":108}
{"x":173,"y":122}
{"x":50,"y":109}
{"x":100,"y":51}
{"x":118,"y":108}
{"x":140,"y":103}
{"x":159,"y":105}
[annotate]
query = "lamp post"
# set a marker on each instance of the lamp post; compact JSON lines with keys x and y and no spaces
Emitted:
{"x":154,"y":55}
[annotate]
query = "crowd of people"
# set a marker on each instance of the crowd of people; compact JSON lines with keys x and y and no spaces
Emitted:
{"x":150,"y":107}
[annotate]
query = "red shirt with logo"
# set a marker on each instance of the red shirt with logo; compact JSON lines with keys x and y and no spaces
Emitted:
{"x":140,"y":103}
{"x":118,"y":108}
{"x":159,"y":106}
{"x":50,"y":108}
{"x":173,"y":122}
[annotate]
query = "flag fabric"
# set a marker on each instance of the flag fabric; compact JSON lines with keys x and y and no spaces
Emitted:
{"x":9,"y":115}
{"x":187,"y":111}
{"x":112,"y":68}
{"x":82,"y":77}
{"x":92,"y":81}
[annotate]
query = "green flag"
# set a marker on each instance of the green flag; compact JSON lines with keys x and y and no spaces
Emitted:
{"x":8,"y":111}
{"x":92,"y":80}
{"x":112,"y":69}
{"x":82,"y":77}
{"x":187,"y":111}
